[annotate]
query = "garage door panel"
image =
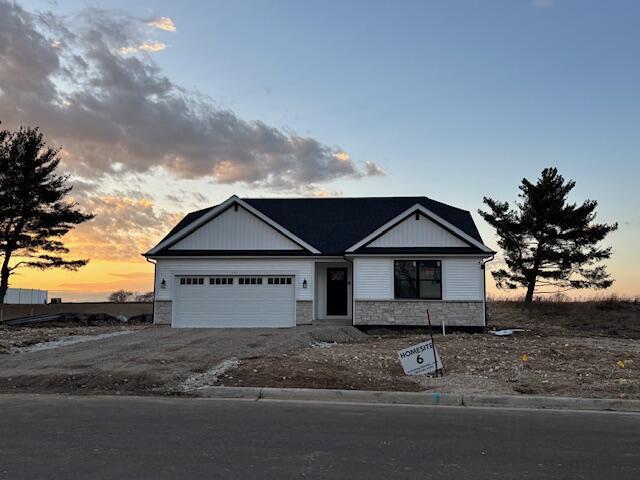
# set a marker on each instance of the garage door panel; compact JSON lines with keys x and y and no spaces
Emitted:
{"x":240,"y":304}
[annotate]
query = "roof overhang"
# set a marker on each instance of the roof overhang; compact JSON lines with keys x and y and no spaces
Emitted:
{"x":429,"y":214}
{"x":215,"y":212}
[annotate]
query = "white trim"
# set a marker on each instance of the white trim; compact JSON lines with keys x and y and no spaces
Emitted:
{"x":215,"y":211}
{"x":419,"y":255}
{"x":429,"y":214}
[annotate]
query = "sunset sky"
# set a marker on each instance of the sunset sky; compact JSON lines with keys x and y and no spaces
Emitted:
{"x":163,"y":107}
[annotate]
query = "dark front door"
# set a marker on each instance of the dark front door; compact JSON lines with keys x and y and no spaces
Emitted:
{"x":337,"y":291}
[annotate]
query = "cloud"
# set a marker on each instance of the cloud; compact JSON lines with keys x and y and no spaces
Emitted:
{"x":150,"y":47}
{"x":101,"y":96}
{"x":134,"y":275}
{"x":373,"y":170}
{"x":126,"y":224}
{"x":163,"y":23}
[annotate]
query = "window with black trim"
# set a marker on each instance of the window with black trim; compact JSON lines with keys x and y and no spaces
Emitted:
{"x":418,"y":279}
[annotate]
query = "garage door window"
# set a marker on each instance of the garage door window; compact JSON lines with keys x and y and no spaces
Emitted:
{"x":192,"y":281}
{"x":279,"y":281}
{"x":250,"y":280}
{"x":221,"y":281}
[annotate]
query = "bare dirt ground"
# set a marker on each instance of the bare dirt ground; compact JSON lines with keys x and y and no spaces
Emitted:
{"x":587,"y":350}
{"x":151,"y":360}
{"x":16,"y":339}
{"x":579,"y":349}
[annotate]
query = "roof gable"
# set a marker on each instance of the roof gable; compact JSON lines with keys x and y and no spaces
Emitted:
{"x":188,"y":225}
{"x":235,"y":229}
{"x":417,"y":231}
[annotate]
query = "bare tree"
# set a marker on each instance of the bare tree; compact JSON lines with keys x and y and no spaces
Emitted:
{"x":144,"y":297}
{"x":121,"y":296}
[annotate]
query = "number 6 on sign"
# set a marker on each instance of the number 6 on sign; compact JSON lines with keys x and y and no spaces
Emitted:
{"x":420,"y":359}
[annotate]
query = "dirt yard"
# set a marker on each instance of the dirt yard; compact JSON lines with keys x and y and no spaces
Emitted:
{"x":581,"y":349}
{"x":144,"y":360}
{"x":587,"y":350}
{"x":19,"y":339}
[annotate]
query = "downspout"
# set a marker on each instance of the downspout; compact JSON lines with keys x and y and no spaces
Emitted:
{"x":353,"y":290}
{"x":153,"y":311}
{"x":484,"y":287}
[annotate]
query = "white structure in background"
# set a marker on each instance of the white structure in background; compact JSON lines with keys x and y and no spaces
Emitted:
{"x":26,"y":296}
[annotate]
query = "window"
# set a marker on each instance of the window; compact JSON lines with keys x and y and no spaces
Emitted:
{"x":221,"y":281}
{"x":418,"y":279}
{"x":279,"y":281}
{"x":248,"y":281}
{"x":192,"y":281}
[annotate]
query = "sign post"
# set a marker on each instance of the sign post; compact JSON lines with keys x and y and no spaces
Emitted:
{"x":435,"y":359}
{"x":421,"y":358}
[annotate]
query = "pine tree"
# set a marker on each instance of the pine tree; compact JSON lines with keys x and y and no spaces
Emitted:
{"x":547,"y":242}
{"x":35,"y":212}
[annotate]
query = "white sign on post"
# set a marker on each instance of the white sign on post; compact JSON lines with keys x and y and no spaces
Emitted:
{"x":420,"y":359}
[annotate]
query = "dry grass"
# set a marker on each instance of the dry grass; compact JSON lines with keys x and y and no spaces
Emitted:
{"x":612,"y":318}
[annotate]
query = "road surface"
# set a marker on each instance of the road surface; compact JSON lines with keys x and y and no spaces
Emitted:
{"x":50,"y":437}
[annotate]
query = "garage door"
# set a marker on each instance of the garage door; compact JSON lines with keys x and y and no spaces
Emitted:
{"x":234,"y":301}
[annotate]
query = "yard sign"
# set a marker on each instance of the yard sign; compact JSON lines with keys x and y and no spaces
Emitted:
{"x":420,"y":359}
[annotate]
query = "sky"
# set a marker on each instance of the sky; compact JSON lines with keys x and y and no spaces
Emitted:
{"x":164,"y":107}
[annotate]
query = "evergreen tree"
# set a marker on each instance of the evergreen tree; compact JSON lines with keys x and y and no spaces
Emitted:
{"x":35,"y":212}
{"x":548,"y":242}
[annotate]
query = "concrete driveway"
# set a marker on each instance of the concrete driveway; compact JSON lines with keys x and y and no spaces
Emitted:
{"x":153,"y":360}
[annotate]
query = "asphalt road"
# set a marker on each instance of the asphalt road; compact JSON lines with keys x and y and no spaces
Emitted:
{"x":107,"y":438}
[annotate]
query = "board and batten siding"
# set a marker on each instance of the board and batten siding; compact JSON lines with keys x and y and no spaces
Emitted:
{"x":168,"y":268}
{"x":235,"y":230}
{"x":417,"y":233}
{"x":462,"y":278}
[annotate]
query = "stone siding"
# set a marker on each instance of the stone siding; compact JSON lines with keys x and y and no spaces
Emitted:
{"x":304,"y":312}
{"x":162,"y":312}
{"x":413,"y":313}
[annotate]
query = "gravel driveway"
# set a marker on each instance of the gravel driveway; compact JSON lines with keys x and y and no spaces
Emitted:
{"x":155,"y":359}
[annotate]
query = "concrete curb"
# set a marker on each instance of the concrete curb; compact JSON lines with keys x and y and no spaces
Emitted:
{"x":419,"y":398}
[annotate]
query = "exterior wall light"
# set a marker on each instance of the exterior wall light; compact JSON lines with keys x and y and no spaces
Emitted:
{"x":304,"y":283}
{"x":163,"y":283}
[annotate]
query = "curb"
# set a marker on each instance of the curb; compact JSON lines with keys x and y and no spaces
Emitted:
{"x":419,"y":398}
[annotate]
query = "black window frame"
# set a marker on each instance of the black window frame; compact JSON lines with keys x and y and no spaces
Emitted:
{"x":438,"y":264}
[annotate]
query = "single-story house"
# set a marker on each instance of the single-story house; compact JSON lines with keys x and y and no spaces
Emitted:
{"x":266,"y":262}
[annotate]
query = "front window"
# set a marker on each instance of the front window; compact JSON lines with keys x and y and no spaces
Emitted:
{"x":418,"y":279}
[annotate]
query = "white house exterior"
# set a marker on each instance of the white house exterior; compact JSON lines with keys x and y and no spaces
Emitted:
{"x":287,"y":262}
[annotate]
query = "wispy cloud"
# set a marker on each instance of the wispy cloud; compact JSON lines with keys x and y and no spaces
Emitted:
{"x":150,"y":47}
{"x":163,"y":23}
{"x":134,"y":275}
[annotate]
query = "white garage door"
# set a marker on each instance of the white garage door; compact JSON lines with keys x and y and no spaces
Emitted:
{"x":234,"y":301}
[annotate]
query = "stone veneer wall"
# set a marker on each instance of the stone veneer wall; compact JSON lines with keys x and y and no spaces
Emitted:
{"x":412,"y":313}
{"x":162,"y":312}
{"x":304,"y":312}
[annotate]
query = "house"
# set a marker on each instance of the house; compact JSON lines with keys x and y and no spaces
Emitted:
{"x":265,"y":262}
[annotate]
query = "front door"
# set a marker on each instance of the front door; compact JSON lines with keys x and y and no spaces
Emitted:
{"x":337,"y":297}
